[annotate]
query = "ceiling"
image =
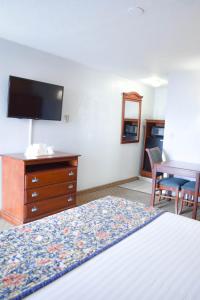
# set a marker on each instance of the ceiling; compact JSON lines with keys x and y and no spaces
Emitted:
{"x":109,"y":35}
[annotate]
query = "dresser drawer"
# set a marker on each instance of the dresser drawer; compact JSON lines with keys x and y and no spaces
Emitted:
{"x":49,"y":191}
{"x":33,"y":210}
{"x":42,"y":178}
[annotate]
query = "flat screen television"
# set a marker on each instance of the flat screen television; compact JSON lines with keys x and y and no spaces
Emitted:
{"x":32,"y":99}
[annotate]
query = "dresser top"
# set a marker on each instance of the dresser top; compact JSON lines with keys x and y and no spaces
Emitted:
{"x":56,"y":155}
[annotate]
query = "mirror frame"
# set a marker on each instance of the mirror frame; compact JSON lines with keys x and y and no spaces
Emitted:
{"x":134,"y":97}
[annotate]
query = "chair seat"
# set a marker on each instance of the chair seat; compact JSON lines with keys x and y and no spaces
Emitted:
{"x":172,"y":182}
{"x":189,"y":186}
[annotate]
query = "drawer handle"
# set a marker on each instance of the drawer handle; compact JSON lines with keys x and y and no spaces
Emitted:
{"x":70,"y":199}
{"x":34,"y":209}
{"x":70,"y":186}
{"x":35,"y":194}
{"x":71,"y":173}
{"x":35,"y":179}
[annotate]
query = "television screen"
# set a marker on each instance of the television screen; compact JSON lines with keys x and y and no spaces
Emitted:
{"x":32,"y":99}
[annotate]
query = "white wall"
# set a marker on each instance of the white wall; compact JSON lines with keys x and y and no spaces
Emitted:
{"x":160,"y":102}
{"x":93,"y":101}
{"x":182,"y":132}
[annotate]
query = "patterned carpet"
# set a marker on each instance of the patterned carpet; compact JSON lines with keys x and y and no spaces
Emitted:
{"x":120,"y":192}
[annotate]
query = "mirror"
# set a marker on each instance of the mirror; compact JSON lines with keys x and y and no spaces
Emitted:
{"x":131,"y":117}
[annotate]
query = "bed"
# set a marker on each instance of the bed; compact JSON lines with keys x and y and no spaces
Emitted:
{"x":156,"y":256}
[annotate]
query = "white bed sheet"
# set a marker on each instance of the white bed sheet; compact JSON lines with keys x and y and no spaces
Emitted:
{"x":160,"y":261}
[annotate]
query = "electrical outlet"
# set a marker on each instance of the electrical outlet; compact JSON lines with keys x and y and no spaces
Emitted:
{"x":66,"y":118}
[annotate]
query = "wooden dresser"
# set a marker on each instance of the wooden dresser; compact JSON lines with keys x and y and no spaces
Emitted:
{"x":34,"y":188}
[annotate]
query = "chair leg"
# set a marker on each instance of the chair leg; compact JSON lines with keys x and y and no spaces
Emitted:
{"x":182,"y":203}
{"x":159,"y":196}
{"x":176,"y":202}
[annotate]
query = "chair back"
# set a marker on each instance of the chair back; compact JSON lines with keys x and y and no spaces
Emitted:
{"x":155,"y":156}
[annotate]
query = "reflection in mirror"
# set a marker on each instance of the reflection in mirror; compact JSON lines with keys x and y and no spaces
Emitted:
{"x":130,"y":133}
{"x":131,"y":117}
{"x":131,"y":110}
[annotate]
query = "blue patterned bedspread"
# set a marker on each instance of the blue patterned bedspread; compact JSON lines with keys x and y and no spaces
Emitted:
{"x":35,"y":254}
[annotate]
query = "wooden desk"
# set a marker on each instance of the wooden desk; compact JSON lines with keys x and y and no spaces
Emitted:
{"x":178,"y":168}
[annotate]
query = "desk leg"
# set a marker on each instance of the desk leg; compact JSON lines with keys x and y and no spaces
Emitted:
{"x":194,"y":211}
{"x":153,"y":187}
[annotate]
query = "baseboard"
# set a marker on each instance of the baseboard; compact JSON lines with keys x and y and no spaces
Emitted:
{"x":105,"y":186}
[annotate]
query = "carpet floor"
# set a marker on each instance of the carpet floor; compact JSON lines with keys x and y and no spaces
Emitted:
{"x":141,"y":185}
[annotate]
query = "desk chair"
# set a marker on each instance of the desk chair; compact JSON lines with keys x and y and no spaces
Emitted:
{"x":167,"y":184}
{"x":187,"y":195}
